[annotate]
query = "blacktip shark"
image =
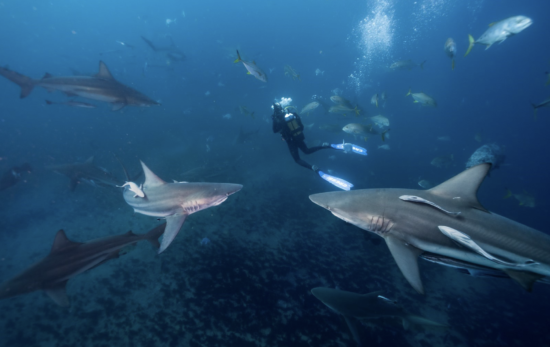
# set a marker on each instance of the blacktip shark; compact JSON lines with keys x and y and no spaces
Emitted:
{"x":544,"y":103}
{"x":175,"y":201}
{"x":101,"y":87}
{"x":173,"y":53}
{"x":68,"y":259}
{"x":447,"y":221}
{"x":86,"y":172}
{"x":353,"y":307}
{"x":13,"y":175}
{"x":245,"y":136}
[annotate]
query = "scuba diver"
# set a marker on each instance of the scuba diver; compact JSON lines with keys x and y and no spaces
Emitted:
{"x":291,"y":128}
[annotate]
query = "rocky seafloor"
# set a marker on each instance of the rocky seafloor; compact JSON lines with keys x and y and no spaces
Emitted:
{"x":249,"y":286}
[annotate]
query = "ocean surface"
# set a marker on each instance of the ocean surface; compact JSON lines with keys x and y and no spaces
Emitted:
{"x":240,"y":274}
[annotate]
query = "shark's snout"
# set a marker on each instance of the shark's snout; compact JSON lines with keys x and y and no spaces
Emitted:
{"x":321,"y":199}
{"x":233,"y":188}
{"x":220,"y":194}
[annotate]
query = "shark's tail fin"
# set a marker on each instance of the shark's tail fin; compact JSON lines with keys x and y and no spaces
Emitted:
{"x":149,"y":43}
{"x":412,"y":321}
{"x":153,"y":235}
{"x":421,"y":67}
{"x":26,"y":83}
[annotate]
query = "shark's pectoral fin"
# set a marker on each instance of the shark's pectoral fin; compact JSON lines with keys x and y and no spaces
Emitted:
{"x":467,"y":242}
{"x":59,"y":294}
{"x":525,"y":279}
{"x":173,"y":226}
{"x":354,"y":329}
{"x":410,"y":321}
{"x":418,"y":199}
{"x":118,"y":106}
{"x":406,"y":257}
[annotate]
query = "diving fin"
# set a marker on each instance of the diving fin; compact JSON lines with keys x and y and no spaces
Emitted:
{"x":349,"y":147}
{"x":338,"y":182}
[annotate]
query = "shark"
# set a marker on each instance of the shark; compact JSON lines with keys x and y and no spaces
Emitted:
{"x":13,"y":175}
{"x":354,"y":307}
{"x":86,"y":172}
{"x":68,"y":259}
{"x":447,"y":221}
{"x":175,"y":201}
{"x":544,"y":103}
{"x":245,"y":136}
{"x":173,"y":54}
{"x":100,"y":87}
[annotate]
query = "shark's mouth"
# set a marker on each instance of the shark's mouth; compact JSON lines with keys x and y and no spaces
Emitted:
{"x":373,"y":223}
{"x":195,"y":206}
{"x":219,"y":201}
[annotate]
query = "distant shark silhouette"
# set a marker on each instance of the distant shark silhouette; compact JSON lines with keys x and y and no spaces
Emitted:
{"x":100,"y":87}
{"x":13,"y":175}
{"x":173,"y":53}
{"x":175,"y":201}
{"x":355,"y":307}
{"x":447,"y":221}
{"x":244,"y":136}
{"x":86,"y":172}
{"x":68,"y":259}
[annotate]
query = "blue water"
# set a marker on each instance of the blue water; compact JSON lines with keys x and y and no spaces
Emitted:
{"x":269,"y":245}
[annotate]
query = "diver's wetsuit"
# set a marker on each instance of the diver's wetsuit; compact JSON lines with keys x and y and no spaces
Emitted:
{"x":291,"y":128}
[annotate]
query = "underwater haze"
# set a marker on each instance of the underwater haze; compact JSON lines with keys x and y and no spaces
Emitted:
{"x":173,"y":94}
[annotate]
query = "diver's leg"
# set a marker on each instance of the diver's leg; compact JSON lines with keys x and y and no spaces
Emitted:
{"x":293,"y":148}
{"x":302,"y":145}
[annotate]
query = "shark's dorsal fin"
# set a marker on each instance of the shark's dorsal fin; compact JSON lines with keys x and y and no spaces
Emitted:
{"x":47,"y":75}
{"x":151,"y":180}
{"x":463,"y":187}
{"x":61,"y":242}
{"x":104,"y":71}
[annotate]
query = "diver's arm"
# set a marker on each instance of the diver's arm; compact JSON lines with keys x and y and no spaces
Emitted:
{"x":277,"y":126}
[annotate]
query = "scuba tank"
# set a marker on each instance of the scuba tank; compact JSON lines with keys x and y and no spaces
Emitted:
{"x":294,"y":125}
